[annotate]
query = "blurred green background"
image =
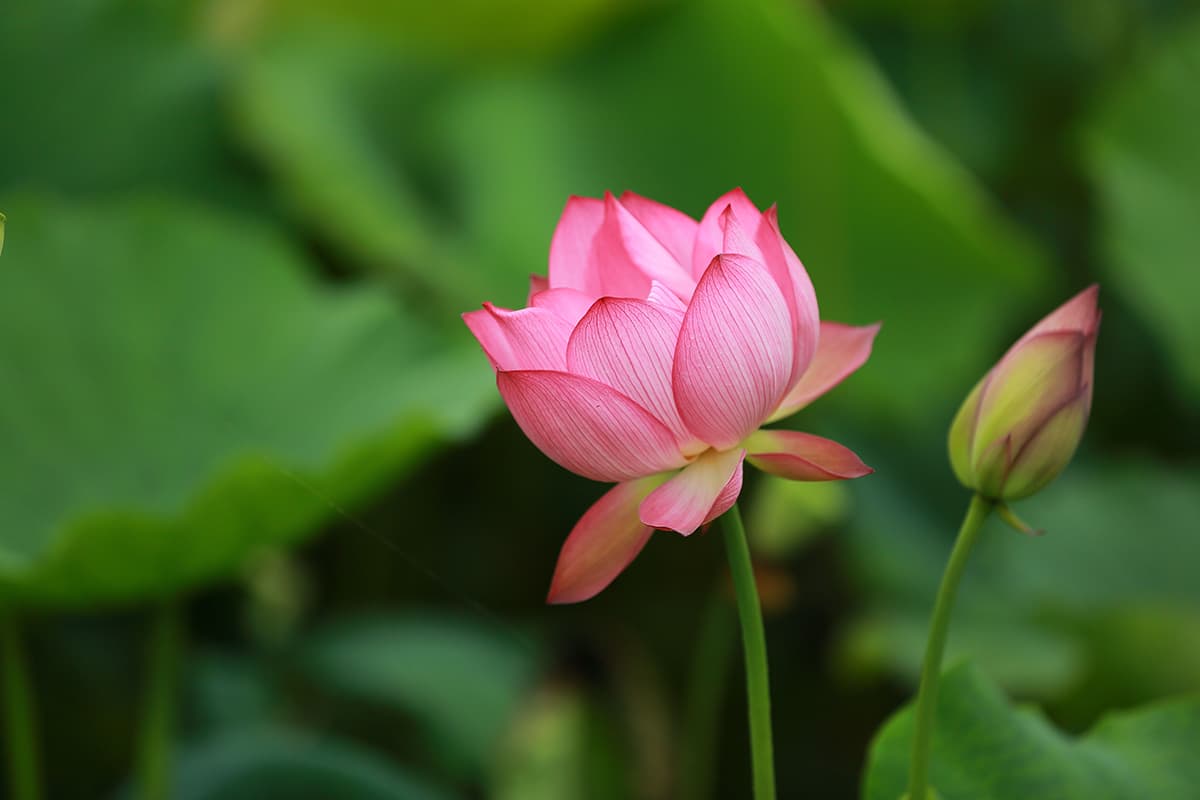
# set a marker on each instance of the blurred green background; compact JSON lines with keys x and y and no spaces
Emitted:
{"x":233,"y":377}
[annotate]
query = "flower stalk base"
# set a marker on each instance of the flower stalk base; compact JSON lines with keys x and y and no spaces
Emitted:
{"x":931,"y":669}
{"x":754,"y":645}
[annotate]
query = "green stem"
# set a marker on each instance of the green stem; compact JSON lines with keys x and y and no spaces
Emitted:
{"x":20,"y":726}
{"x":754,"y":644}
{"x":705,"y":692}
{"x":158,"y":715}
{"x":931,"y":669}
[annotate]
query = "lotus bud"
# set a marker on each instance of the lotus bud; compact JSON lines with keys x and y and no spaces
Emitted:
{"x":1021,"y":424}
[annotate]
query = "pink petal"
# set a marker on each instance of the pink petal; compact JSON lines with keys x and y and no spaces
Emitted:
{"x":791,"y":272}
{"x":840,"y":351}
{"x":604,"y":541}
{"x":588,"y":427}
{"x":568,"y":304}
{"x":728,"y":496}
{"x":630,"y":345}
{"x":803,"y":457}
{"x":733,"y":361}
{"x":490,"y":337}
{"x":757,"y":235}
{"x":738,"y":239}
{"x":1036,"y":378}
{"x":710,"y":234}
{"x":662,"y":296}
{"x":702,"y":491}
{"x":674,"y":229}
{"x":537,"y":283}
{"x":531,"y":338}
{"x":572,"y":244}
{"x":646,"y":254}
{"x":1077,"y":314}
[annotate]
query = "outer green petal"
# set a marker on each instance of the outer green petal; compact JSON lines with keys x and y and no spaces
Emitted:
{"x":961,"y":431}
{"x":1048,"y":451}
{"x":1031,"y":383}
{"x":992,"y":466}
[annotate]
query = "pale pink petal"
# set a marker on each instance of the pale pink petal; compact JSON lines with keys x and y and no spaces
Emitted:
{"x":531,"y":338}
{"x":662,"y":296}
{"x":588,"y":427}
{"x":789,"y":271}
{"x":644,"y":252}
{"x":710,"y":234}
{"x":630,"y":345}
{"x":738,"y":240}
{"x":697,"y":494}
{"x":803,"y":457}
{"x":739,"y":236}
{"x":674,"y":229}
{"x":569,"y":304}
{"x":588,"y":251}
{"x":537,"y":283}
{"x":487,"y":332}
{"x":572,"y":245}
{"x":604,"y":541}
{"x":1032,"y":381}
{"x":840,"y":351}
{"x":729,"y":494}
{"x":1077,"y":314}
{"x":733,"y":361}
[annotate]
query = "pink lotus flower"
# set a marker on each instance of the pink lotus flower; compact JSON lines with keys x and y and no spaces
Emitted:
{"x":1021,"y":423}
{"x":652,"y":356}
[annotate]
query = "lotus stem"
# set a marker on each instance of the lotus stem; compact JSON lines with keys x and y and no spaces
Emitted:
{"x":931,"y":669}
{"x":20,"y":716}
{"x":754,"y":646}
{"x":158,"y":717}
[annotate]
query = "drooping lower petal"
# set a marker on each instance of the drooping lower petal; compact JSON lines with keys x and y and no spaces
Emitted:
{"x":630,"y":345}
{"x":700,"y":492}
{"x":605,"y":540}
{"x":802,"y":456}
{"x":733,"y":360}
{"x":729,"y":494}
{"x":587,"y":426}
{"x":529,"y":338}
{"x":840,"y":351}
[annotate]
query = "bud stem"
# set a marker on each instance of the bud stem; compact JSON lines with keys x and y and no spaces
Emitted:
{"x":158,"y":714}
{"x":754,"y":644}
{"x":20,"y":724}
{"x":931,"y":669}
